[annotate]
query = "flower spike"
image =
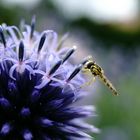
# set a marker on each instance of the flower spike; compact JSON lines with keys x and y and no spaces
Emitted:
{"x":55,"y":67}
{"x":41,"y":43}
{"x":2,"y":36}
{"x":32,"y":26}
{"x":39,"y":86}
{"x":75,"y":72}
{"x":21,"y":51}
{"x":69,"y":53}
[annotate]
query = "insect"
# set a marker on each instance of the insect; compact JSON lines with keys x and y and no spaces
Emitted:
{"x":96,"y":70}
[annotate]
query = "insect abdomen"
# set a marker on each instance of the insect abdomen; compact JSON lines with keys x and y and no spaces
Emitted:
{"x":108,"y":84}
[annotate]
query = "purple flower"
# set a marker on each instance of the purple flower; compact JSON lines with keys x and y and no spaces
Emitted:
{"x":38,"y":87}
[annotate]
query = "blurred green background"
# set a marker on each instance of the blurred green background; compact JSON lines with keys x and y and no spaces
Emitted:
{"x":110,"y":31}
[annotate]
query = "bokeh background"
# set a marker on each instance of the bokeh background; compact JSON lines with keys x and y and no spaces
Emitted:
{"x":109,"y":30}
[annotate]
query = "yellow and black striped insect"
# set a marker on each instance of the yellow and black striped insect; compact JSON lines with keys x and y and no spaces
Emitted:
{"x":96,"y":70}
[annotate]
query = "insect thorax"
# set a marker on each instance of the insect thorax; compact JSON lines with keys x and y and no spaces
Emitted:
{"x":94,"y":68}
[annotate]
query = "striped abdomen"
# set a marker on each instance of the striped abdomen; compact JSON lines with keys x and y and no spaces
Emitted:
{"x":105,"y":80}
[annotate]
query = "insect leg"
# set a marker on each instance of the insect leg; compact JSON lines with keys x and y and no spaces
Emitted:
{"x":92,"y":79}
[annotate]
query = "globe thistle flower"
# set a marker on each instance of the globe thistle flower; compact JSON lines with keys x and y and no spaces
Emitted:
{"x":38,"y":87}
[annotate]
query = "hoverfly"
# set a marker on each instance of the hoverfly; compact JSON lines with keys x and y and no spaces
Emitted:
{"x":96,"y":70}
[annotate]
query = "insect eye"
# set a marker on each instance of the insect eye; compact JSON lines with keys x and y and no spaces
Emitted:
{"x":89,"y":65}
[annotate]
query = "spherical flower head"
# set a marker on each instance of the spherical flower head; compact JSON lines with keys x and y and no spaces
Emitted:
{"x":39,"y":86}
